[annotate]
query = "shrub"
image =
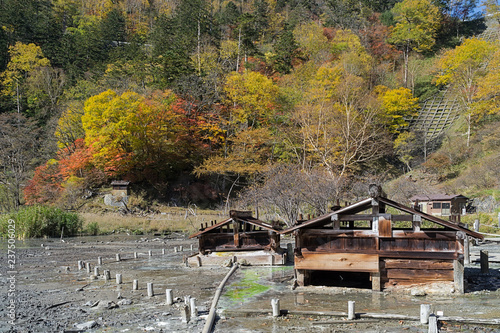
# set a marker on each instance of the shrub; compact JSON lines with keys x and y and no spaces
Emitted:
{"x":93,"y":229}
{"x":40,"y":221}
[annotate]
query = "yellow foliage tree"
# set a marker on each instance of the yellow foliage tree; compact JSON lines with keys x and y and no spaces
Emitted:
{"x":399,"y":105}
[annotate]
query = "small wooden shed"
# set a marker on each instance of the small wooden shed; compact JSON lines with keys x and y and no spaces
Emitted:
{"x":120,"y":188}
{"x":239,"y":237}
{"x":386,"y":243}
{"x":441,"y":204}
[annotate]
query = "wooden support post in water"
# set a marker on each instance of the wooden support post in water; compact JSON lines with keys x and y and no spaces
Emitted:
{"x":118,"y":279}
{"x":458,"y":276}
{"x":88,"y":268}
{"x":376,"y":285}
{"x":483,"y":258}
{"x":169,"y":297}
{"x":466,"y":250}
{"x":192,"y":305}
{"x":135,"y":285}
{"x":99,"y":261}
{"x":80,"y":265}
{"x":107,"y":275}
{"x":118,"y":257}
{"x":150,"y":253}
{"x":433,"y":328}
{"x":185,"y":313}
{"x":275,"y":303}
{"x":351,"y":313}
{"x":162,"y":251}
{"x":135,"y":255}
{"x":425,"y":311}
{"x":175,"y":249}
{"x":181,"y":248}
{"x":150,"y":289}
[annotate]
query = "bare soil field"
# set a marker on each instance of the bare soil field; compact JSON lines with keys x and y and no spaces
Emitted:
{"x":48,"y":293}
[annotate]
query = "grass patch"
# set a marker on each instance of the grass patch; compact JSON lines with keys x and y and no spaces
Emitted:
{"x":246,"y":288}
{"x":170,"y":219}
{"x":41,"y":221}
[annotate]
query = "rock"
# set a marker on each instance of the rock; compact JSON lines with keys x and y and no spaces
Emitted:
{"x":124,"y":302}
{"x":243,"y":262}
{"x":107,"y":305}
{"x":227,"y":263}
{"x":87,"y":325}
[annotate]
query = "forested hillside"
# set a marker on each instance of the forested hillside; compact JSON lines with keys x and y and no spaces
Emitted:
{"x":283,"y":103}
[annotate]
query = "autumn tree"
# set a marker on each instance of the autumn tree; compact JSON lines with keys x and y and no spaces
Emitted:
{"x":417,"y":22}
{"x":19,"y":149}
{"x":25,"y":59}
{"x":463,"y":68}
{"x":399,"y":106}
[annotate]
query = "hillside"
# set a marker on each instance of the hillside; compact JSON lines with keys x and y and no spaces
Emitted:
{"x":287,"y":106}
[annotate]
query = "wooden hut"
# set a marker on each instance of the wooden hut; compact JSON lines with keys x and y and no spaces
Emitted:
{"x":441,"y":204}
{"x":382,"y":241}
{"x":239,"y":237}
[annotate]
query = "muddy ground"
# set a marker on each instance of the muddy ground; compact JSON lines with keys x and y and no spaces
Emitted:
{"x":52,"y":295}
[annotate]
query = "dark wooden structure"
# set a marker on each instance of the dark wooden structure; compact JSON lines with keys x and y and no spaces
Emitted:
{"x":239,"y":233}
{"x":441,"y":204}
{"x":390,"y":243}
{"x":120,"y":188}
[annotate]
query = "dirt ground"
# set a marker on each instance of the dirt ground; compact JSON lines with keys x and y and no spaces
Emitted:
{"x":51,"y":294}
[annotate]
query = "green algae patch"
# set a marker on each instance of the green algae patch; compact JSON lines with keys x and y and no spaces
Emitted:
{"x":247,"y":287}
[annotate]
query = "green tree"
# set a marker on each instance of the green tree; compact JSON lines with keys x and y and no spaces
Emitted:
{"x":417,"y":22}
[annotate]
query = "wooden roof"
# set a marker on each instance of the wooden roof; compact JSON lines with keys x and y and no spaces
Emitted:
{"x":367,"y":204}
{"x":437,"y":197}
{"x":237,"y":216}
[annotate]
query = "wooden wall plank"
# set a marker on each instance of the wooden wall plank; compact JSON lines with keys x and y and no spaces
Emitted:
{"x":338,"y":262}
{"x":415,"y":274}
{"x":418,"y":264}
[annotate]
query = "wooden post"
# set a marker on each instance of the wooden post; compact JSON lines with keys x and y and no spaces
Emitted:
{"x":376,"y":285}
{"x":99,"y":261}
{"x":476,"y":225}
{"x":168,"y":296}
{"x":185,"y":313}
{"x":118,"y":257}
{"x":191,"y":247}
{"x":150,"y":289}
{"x":289,"y":250}
{"x":150,"y":253}
{"x":162,"y":251}
{"x":351,"y":313}
{"x":118,"y":279}
{"x":275,"y":303}
{"x":485,"y":269}
{"x":458,"y":276}
{"x":135,"y":285}
{"x":425,"y":311}
{"x":96,"y":271}
{"x":107,"y":275}
{"x":466,"y":250}
{"x":80,"y":265}
{"x":135,"y":255}
{"x":433,"y":324}
{"x":192,"y":305}
{"x":88,"y":268}
{"x":181,"y":248}
{"x":175,"y":249}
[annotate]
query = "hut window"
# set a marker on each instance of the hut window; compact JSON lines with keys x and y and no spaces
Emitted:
{"x":436,"y":205}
